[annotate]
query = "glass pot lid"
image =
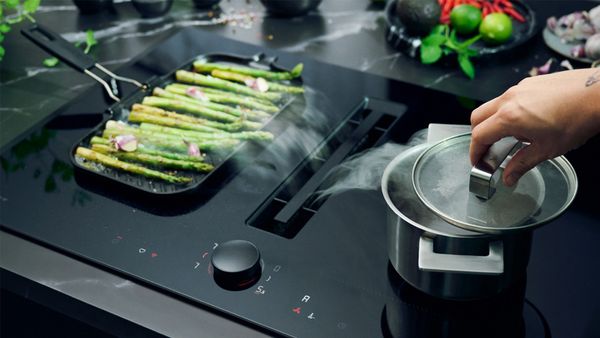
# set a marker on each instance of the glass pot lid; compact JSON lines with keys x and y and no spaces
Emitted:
{"x":441,"y":181}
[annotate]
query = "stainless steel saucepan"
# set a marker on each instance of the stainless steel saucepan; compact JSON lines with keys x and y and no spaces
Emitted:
{"x":455,"y":231}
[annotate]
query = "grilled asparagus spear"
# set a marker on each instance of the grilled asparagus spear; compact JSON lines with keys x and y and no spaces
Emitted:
{"x":111,"y":162}
{"x":140,"y":108}
{"x":207,"y":67}
{"x":153,"y":160}
{"x":143,"y":149}
{"x":273,"y":86}
{"x":219,"y":96}
{"x":199,"y":79}
{"x":244,"y":135}
{"x":168,"y":141}
{"x":139,"y":117}
{"x":254,"y":115}
{"x":188,"y":107}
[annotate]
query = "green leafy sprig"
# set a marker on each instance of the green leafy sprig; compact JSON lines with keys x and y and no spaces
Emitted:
{"x":90,"y":41}
{"x":443,"y":41}
{"x":21,"y":9}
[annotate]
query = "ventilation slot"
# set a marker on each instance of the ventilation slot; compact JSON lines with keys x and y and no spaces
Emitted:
{"x":293,"y":203}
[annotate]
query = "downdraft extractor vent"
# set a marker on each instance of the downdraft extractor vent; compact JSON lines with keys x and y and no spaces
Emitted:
{"x":293,"y":203}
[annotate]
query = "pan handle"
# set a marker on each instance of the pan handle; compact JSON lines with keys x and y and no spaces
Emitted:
{"x":55,"y":45}
{"x":492,"y":264}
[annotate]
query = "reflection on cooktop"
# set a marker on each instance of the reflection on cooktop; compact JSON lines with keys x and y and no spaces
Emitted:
{"x":412,"y":313}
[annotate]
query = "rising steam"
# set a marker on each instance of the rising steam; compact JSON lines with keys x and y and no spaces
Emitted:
{"x":363,"y":171}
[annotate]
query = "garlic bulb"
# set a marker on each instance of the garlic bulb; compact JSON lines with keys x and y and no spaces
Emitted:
{"x":592,"y":47}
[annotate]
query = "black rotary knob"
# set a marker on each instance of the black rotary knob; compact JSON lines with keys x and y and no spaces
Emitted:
{"x":236,"y":264}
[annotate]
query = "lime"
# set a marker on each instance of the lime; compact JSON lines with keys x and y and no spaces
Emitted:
{"x":496,"y":28}
{"x":465,"y":18}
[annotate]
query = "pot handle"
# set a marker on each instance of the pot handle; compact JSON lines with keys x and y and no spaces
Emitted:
{"x":492,"y":264}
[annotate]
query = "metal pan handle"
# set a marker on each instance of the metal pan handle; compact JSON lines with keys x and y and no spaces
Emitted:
{"x":492,"y":264}
{"x":55,"y":45}
{"x":74,"y":57}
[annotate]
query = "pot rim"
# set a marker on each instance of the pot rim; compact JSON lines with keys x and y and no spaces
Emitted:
{"x":392,"y":206}
{"x":561,"y":164}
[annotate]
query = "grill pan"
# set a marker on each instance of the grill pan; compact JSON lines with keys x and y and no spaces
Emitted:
{"x":224,"y":163}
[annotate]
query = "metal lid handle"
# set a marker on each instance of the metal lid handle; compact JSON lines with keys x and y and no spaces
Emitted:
{"x":480,"y":181}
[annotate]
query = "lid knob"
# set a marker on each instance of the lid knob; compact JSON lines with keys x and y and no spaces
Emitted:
{"x":480,"y":181}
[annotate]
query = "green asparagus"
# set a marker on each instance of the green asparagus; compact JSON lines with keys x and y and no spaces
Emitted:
{"x":207,"y":67}
{"x":189,"y":108}
{"x":149,"y":151}
{"x":153,"y":160}
{"x":111,"y":162}
{"x":214,"y":106}
{"x":219,"y":96}
{"x":275,"y":87}
{"x":140,"y":108}
{"x":245,"y":135}
{"x":199,"y":79}
{"x":178,"y":123}
{"x":170,"y":143}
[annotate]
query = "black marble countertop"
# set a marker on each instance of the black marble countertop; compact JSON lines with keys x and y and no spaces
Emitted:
{"x":350,"y":33}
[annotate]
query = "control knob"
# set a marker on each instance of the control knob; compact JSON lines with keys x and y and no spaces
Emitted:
{"x":236,"y":264}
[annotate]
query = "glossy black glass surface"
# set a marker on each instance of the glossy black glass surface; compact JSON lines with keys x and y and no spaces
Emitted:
{"x":331,"y":278}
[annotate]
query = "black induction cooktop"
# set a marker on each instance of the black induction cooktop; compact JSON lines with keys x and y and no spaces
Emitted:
{"x":309,"y":267}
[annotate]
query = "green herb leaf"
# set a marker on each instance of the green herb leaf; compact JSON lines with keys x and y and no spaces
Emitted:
{"x":469,"y":42}
{"x":471,"y":52}
{"x":90,"y":41}
{"x":430,"y":53}
{"x":439,"y":30}
{"x":1,"y":37}
{"x":466,"y":65}
{"x":1,"y":52}
{"x":4,"y":28}
{"x":50,"y":62}
{"x":31,"y":5}
{"x":434,"y":40}
{"x":12,"y":4}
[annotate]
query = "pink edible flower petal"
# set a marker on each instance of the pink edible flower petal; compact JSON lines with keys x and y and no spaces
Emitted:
{"x":193,"y":149}
{"x":126,"y":143}
{"x":196,"y":94}
{"x":258,"y":84}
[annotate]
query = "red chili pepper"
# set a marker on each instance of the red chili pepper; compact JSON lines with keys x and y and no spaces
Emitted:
{"x":512,"y":12}
{"x":447,"y":7}
{"x":496,"y":8}
{"x":507,"y":3}
{"x":485,"y":11}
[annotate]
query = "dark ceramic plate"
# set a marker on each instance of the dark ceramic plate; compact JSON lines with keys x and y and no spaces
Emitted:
{"x":522,"y":32}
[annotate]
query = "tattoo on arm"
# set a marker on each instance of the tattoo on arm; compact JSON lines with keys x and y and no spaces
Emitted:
{"x":594,"y":78}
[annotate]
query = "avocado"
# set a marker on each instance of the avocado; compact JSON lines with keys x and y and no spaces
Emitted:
{"x":418,"y":16}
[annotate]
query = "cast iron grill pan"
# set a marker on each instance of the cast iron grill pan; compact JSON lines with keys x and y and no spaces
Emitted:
{"x":223,"y":163}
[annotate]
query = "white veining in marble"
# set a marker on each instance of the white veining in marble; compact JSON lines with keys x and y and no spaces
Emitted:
{"x":440,"y":79}
{"x":360,"y":21}
{"x":391,"y":59}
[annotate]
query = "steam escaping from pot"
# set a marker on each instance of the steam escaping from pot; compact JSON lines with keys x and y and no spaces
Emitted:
{"x":364,"y":171}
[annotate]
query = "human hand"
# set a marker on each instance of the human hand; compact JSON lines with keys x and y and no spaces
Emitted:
{"x":554,"y":113}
